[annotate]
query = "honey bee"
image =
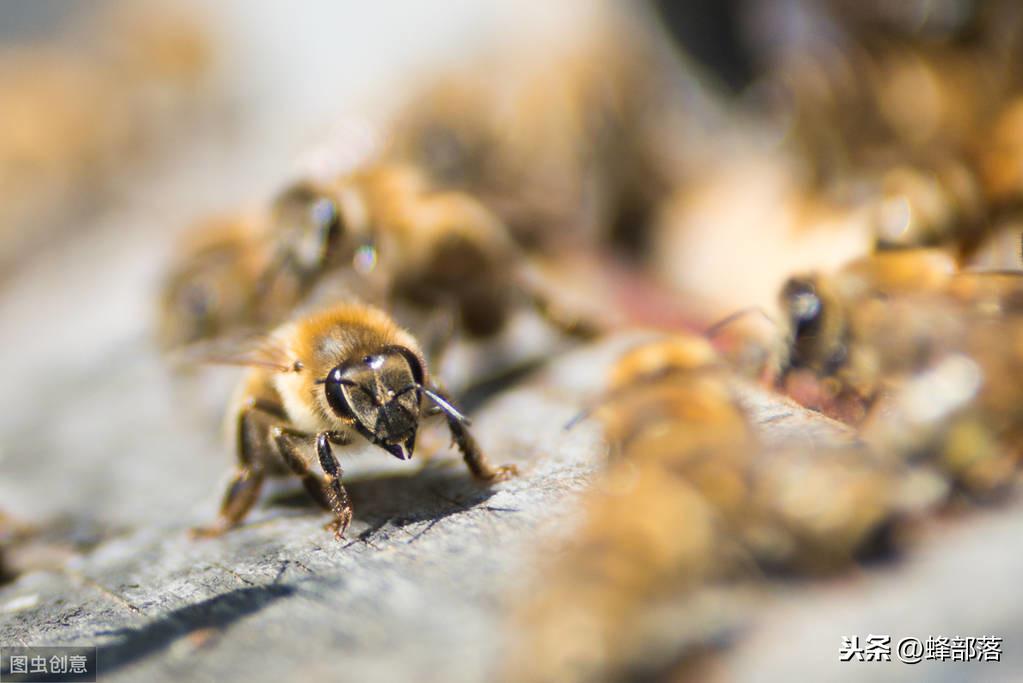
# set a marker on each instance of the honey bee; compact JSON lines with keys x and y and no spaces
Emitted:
{"x":313,"y":229}
{"x":210,"y":289}
{"x":676,"y":394}
{"x":410,"y":245}
{"x":690,"y":500}
{"x":940,"y":202}
{"x":887,"y":315}
{"x":945,"y":419}
{"x":569,"y":143}
{"x":921,"y":357}
{"x":382,"y":235}
{"x":648,"y":532}
{"x":994,"y":293}
{"x":852,"y":328}
{"x":919,"y":112}
{"x":336,"y":378}
{"x":960,"y":413}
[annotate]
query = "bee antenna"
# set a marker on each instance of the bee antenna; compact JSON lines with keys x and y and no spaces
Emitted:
{"x":604,"y":398}
{"x":445,"y":406}
{"x":580,"y":416}
{"x":714,"y":329}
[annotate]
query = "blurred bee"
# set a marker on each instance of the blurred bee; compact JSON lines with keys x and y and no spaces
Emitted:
{"x":690,"y":499}
{"x":993,"y":293}
{"x":924,"y":360}
{"x":932,"y":204}
{"x":337,"y":378}
{"x":573,"y":142}
{"x":408,"y":244}
{"x":907,"y":101}
{"x":885,"y":316}
{"x":648,"y":531}
{"x":381,"y":235}
{"x":945,"y":419}
{"x":855,"y":329}
{"x":209,"y":291}
{"x":1002,"y":156}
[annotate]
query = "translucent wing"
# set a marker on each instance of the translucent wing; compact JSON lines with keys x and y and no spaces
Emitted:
{"x":253,"y":350}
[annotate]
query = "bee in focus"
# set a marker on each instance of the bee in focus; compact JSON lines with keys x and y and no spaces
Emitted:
{"x":345,"y":376}
{"x":690,"y":499}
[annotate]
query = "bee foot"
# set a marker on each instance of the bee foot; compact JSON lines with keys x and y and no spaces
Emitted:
{"x":204,"y":532}
{"x":339,"y":526}
{"x":502,"y":473}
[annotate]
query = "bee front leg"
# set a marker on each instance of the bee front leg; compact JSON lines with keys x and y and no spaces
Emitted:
{"x":292,"y":445}
{"x":478,"y":465}
{"x":337,"y":497}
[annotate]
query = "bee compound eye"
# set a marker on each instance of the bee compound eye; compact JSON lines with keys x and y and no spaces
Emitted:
{"x":806,"y":307}
{"x":325,"y":216}
{"x":335,"y":395}
{"x":802,"y":301}
{"x":414,"y":363}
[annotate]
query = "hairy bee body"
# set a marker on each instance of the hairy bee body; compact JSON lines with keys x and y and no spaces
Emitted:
{"x":340,"y":377}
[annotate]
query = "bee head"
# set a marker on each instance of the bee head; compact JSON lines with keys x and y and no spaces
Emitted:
{"x":309,"y":225}
{"x":816,"y":330}
{"x":380,"y":394}
{"x":803,"y":306}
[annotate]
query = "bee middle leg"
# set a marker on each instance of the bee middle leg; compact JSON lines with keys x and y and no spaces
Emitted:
{"x":254,"y":450}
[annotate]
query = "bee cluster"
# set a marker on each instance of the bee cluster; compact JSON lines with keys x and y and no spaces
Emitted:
{"x":915,"y":344}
